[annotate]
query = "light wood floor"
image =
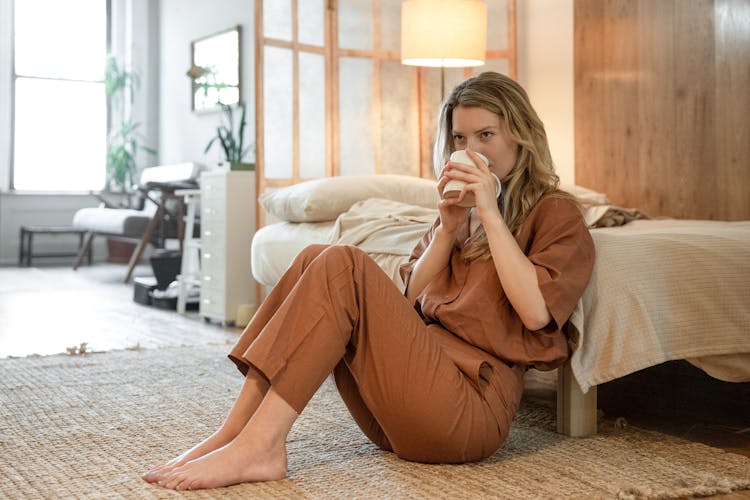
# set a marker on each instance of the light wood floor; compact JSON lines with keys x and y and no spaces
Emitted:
{"x":45,"y":310}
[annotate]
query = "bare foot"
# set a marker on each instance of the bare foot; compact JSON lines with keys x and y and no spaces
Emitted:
{"x":211,"y":443}
{"x":241,"y":461}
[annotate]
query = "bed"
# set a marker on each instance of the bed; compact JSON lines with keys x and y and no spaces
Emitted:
{"x":661,"y":289}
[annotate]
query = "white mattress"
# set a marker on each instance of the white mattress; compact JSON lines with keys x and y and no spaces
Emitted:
{"x":275,"y":246}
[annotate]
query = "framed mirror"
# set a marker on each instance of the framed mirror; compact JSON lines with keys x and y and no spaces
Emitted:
{"x":215,"y":70}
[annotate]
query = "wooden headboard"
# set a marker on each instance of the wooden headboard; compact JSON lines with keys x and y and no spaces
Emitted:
{"x":662,"y":105}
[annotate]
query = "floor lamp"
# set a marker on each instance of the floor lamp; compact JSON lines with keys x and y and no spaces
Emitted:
{"x":443,"y":34}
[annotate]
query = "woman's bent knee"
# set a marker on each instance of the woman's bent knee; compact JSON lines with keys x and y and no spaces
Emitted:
{"x":346,"y":253}
{"x":310,"y":253}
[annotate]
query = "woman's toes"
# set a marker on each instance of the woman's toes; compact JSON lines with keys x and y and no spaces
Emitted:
{"x":155,"y":474}
{"x":165,"y":480}
{"x":171,"y":481}
{"x":184,"y":485}
{"x":176,"y":484}
{"x":167,"y":483}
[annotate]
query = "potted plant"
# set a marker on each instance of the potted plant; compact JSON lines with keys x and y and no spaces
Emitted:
{"x":123,"y":141}
{"x":231,"y":137}
{"x":120,"y":85}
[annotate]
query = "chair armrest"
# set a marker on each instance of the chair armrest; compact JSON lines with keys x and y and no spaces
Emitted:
{"x":169,"y":187}
{"x":106,"y":203}
{"x":133,"y":200}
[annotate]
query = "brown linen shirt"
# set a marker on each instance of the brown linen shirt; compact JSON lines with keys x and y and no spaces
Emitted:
{"x":467,"y":299}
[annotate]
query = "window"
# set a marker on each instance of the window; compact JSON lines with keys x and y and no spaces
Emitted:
{"x":60,"y":107}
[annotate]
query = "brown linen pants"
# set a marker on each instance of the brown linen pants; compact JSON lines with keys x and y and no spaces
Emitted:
{"x":404,"y":382}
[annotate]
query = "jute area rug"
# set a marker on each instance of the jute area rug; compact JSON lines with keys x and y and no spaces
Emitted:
{"x":88,"y":426}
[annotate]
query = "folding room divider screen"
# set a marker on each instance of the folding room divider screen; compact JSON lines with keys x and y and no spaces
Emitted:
{"x":332,"y":97}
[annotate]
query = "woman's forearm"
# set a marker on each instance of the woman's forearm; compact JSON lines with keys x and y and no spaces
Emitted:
{"x":434,"y":259}
{"x":517,"y":276}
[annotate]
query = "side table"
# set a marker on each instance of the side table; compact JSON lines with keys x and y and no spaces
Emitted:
{"x":26,"y":246}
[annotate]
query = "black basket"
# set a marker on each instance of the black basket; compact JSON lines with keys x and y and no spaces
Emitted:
{"x":166,"y":267}
{"x":142,"y":287}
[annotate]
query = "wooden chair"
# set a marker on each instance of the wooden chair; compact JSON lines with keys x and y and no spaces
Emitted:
{"x":156,"y":216}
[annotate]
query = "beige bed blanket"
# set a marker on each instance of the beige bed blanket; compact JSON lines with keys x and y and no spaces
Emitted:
{"x":664,"y":290}
{"x":661,"y":289}
{"x":385,"y":229}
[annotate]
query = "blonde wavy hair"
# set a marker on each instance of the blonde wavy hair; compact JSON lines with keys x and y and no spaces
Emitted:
{"x":533,"y":174}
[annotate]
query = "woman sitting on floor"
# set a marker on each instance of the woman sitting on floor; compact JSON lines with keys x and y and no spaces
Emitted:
{"x":434,"y":374}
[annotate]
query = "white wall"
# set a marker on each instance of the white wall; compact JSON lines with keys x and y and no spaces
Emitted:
{"x":545,"y":64}
{"x":183,"y":134}
{"x":6,"y":80}
{"x":141,"y":47}
{"x":135,"y":43}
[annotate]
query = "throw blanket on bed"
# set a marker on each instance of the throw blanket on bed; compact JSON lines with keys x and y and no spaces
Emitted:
{"x":598,"y":211}
{"x":385,"y":229}
{"x":662,"y":290}
{"x":609,"y":215}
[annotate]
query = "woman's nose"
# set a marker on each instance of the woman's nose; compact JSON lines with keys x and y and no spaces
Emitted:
{"x":475,"y":146}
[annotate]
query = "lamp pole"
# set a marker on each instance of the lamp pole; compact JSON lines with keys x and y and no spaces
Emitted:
{"x":442,"y":82}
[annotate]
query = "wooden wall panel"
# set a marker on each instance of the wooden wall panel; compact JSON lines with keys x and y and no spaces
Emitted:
{"x":732,"y":94}
{"x":662,"y":94}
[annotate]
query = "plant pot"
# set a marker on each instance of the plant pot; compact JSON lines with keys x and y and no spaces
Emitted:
{"x":236,"y":165}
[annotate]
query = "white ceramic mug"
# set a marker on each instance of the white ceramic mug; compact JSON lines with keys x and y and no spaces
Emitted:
{"x":453,"y":187}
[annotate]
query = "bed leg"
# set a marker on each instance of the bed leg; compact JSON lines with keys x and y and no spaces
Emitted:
{"x":576,"y":411}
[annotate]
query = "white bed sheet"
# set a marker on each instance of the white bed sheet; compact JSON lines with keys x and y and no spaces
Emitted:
{"x":275,"y":246}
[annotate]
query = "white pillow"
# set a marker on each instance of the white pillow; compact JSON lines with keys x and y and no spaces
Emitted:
{"x":585,"y":195}
{"x":325,"y":199}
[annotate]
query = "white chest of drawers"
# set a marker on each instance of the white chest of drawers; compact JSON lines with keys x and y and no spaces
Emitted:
{"x":227,"y":227}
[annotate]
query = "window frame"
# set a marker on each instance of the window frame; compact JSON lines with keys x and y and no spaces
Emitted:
{"x":14,"y":76}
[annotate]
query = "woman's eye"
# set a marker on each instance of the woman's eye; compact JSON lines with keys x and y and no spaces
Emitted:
{"x":487,"y":134}
{"x":458,"y":138}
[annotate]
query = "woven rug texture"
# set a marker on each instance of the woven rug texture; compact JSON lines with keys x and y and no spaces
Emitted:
{"x":89,"y":426}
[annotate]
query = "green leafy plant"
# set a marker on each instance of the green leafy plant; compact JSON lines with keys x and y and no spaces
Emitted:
{"x":123,"y":142}
{"x":231,"y":136}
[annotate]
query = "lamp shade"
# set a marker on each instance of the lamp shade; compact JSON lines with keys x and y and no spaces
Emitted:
{"x":447,"y":33}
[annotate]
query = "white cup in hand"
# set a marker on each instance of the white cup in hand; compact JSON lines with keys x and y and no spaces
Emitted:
{"x":453,"y":187}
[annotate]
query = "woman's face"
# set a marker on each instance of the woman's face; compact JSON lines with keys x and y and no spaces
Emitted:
{"x":482,"y":131}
